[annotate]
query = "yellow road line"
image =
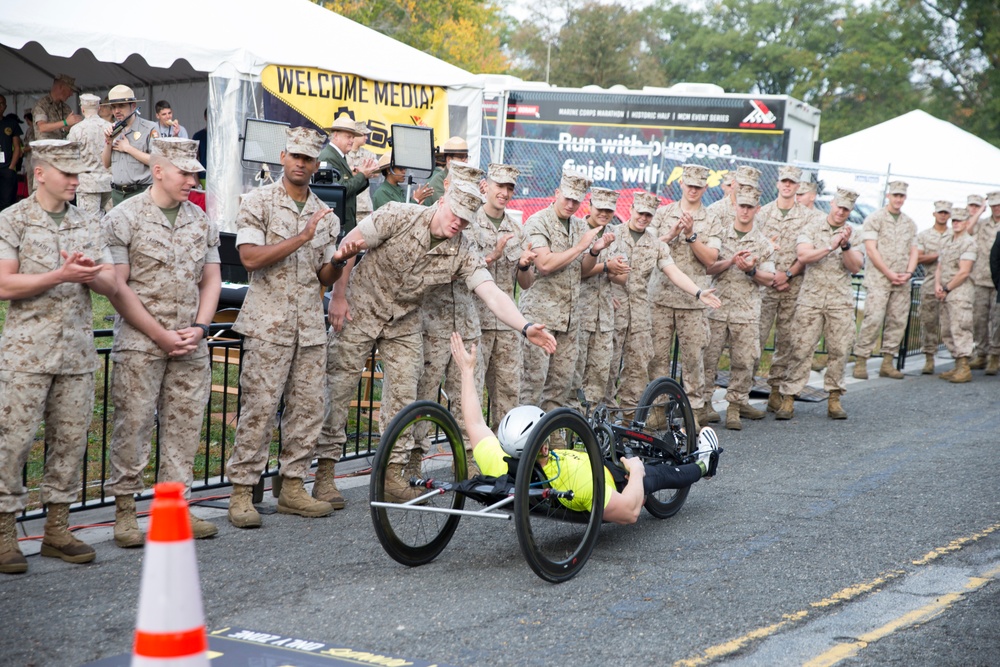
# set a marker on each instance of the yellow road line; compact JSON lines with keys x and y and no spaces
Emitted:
{"x":849,"y":593}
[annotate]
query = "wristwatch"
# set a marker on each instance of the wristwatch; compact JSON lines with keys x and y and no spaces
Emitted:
{"x":788,"y":274}
{"x":752,"y":272}
{"x":203,"y":327}
{"x":945,"y":288}
{"x":846,"y":246}
{"x":692,"y":238}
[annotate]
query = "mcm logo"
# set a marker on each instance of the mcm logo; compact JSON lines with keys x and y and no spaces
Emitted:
{"x":760,"y":116}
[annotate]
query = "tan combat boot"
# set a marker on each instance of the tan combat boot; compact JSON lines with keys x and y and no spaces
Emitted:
{"x":397,"y":484}
{"x":242,"y":513}
{"x":817,"y":365}
{"x":58,"y":542}
{"x":978,"y":362}
{"x":295,"y":500}
{"x":12,"y":561}
{"x":325,"y":488}
{"x":963,"y":372}
{"x":787,"y":409}
{"x":888,"y":369}
{"x":947,"y":375}
{"x":733,"y":422}
{"x":707,"y":414}
{"x":750,"y":412}
{"x":992,"y":364}
{"x":127,"y":533}
{"x":833,"y":408}
{"x":200,"y":529}
{"x":861,"y":368}
{"x":774,"y":400}
{"x":928,"y":364}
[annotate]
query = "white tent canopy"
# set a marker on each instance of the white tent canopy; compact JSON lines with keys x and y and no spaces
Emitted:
{"x":170,"y":51}
{"x":938,"y":159}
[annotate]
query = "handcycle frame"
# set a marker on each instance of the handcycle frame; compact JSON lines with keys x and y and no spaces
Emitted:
{"x":526,"y":497}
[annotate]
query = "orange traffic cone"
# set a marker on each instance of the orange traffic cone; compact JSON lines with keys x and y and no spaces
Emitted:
{"x":170,"y":630}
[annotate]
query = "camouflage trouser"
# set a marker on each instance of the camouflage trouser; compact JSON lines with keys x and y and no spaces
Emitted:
{"x":617,"y":350}
{"x":692,"y":333}
{"x":892,"y":306}
{"x":498,"y":369}
{"x":95,"y":204}
{"x":66,"y":404}
{"x":837,"y":325}
{"x":930,"y":315}
{"x":547,"y":379}
{"x":440,"y":373}
{"x":173,"y":392}
{"x":636,"y":355}
{"x":593,"y":363}
{"x":402,"y":362}
{"x":778,"y":309}
{"x":986,"y":321}
{"x":956,"y":326}
{"x":268,"y":372}
{"x":743,"y":339}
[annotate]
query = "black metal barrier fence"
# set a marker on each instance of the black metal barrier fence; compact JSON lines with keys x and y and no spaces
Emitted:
{"x":222,"y":412}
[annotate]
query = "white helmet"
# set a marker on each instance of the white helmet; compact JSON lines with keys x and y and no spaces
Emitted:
{"x":515,"y":428}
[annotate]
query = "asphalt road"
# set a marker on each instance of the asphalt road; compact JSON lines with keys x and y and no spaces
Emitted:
{"x":866,"y":542}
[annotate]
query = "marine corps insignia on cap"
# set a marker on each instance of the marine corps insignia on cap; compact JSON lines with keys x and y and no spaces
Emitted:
{"x":790,"y":173}
{"x":462,"y":171}
{"x":898,"y":187}
{"x":993,"y":198}
{"x":694,"y":175}
{"x":61,"y":154}
{"x":959,"y":214}
{"x":942,"y":205}
{"x":748,"y":176}
{"x":503,"y":173}
{"x":845,"y":198}
{"x":645,"y":202}
{"x":976,"y":200}
{"x":747,"y":195}
{"x":464,"y":200}
{"x":603,"y":199}
{"x":304,"y":141}
{"x":182,"y":153}
{"x":573,"y":185}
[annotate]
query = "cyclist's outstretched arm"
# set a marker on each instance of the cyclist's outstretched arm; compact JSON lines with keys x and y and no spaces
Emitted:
{"x":472,"y":408}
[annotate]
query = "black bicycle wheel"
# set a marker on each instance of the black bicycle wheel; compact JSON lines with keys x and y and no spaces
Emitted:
{"x":415,"y":537}
{"x":557,"y":541}
{"x":665,"y":411}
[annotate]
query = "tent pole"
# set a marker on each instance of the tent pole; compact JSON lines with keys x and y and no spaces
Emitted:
{"x":885,"y":190}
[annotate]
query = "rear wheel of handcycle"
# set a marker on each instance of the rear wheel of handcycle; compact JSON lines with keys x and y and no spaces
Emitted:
{"x":666,"y":412}
{"x":555,"y":540}
{"x":415,"y":537}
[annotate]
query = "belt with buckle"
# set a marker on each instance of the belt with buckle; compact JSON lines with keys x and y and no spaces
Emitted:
{"x":129,"y":189}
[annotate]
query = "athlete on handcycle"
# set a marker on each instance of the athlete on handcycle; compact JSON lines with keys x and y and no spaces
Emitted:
{"x":568,"y":469}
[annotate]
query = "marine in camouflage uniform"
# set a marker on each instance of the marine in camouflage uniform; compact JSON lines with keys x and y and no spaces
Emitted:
{"x":745,"y":263}
{"x":826,"y":304}
{"x":94,"y":194}
{"x":596,"y":311}
{"x":47,"y":355}
{"x":498,"y":359}
{"x":928,"y":248}
{"x":956,"y":292}
{"x":563,"y":243}
{"x":782,"y":220}
{"x":890,"y":239}
{"x":410,"y":250}
{"x":169,"y":283}
{"x":985,"y":310}
{"x":693,"y":234}
{"x":287,"y":238}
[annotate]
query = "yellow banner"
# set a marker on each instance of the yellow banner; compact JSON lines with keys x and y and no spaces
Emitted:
{"x":320,"y":96}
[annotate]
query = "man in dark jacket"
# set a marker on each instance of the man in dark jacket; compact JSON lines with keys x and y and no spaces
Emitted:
{"x":342,"y":134}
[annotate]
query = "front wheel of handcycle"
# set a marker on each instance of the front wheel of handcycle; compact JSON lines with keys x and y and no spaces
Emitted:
{"x":557,"y":534}
{"x":414,"y":536}
{"x":665,"y":411}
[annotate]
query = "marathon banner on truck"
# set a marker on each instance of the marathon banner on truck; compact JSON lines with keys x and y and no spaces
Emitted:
{"x":624,"y":141}
{"x":314,"y":98}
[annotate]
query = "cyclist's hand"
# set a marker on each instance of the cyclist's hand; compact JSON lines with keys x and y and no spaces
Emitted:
{"x":634,"y":466}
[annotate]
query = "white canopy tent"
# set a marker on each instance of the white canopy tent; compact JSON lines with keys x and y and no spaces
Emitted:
{"x":938,"y":159}
{"x":199,"y":55}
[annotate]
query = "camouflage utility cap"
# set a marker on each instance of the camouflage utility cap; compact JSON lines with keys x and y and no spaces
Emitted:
{"x":845,"y":198}
{"x":959,"y":214}
{"x":942,"y":206}
{"x":790,"y":173}
{"x":993,"y":198}
{"x":603,"y":199}
{"x":748,"y":176}
{"x":694,"y":175}
{"x":503,"y":173}
{"x":303,"y":141}
{"x":898,"y":187}
{"x":61,"y":154}
{"x":462,"y":171}
{"x":362,"y":127}
{"x":88,"y":101}
{"x":573,"y":185}
{"x":975,"y":200}
{"x":747,"y":195}
{"x":182,"y":153}
{"x":806,"y":187}
{"x":645,"y":202}
{"x":464,"y":200}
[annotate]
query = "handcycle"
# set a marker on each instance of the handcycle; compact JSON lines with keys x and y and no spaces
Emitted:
{"x":556,"y":541}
